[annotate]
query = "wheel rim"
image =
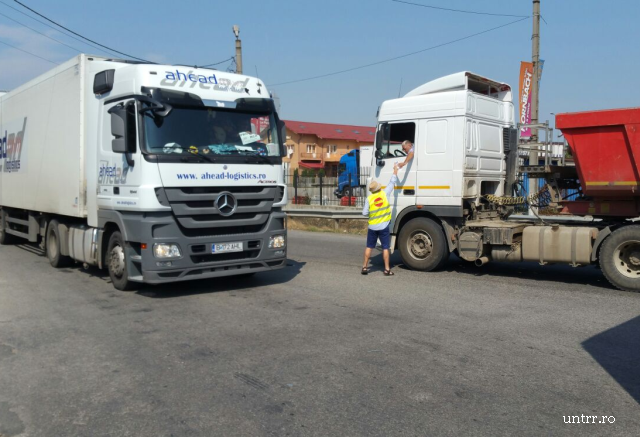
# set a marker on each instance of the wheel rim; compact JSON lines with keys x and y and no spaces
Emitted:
{"x":420,"y":245}
{"x":52,"y":246}
{"x":626,"y":258}
{"x":116,"y":261}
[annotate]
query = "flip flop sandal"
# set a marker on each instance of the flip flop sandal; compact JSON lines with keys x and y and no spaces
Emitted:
{"x":388,"y":273}
{"x":365,"y":271}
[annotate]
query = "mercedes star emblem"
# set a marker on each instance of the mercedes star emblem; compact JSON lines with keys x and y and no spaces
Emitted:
{"x":226,"y":204}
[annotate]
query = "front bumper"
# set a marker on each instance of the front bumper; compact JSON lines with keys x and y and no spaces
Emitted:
{"x":197,"y":261}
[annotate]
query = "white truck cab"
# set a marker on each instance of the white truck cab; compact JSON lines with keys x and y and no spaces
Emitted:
{"x":462,"y":128}
{"x":159,"y":173}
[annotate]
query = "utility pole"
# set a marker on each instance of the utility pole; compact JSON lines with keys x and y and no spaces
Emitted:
{"x":535,"y":58}
{"x":236,"y":32}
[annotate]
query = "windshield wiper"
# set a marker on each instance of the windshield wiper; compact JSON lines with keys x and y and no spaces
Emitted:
{"x":263,"y":158}
{"x":200,"y":154}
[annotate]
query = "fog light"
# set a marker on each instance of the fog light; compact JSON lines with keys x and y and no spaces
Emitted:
{"x":166,"y":250}
{"x":278,"y":253}
{"x":163,"y":263}
{"x":276,"y":242}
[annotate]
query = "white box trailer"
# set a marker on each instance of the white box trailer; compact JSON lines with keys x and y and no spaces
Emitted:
{"x":159,"y":173}
{"x":43,"y":144}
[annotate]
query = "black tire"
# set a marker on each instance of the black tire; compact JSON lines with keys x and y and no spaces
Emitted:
{"x":423,"y":245}
{"x":52,"y":246}
{"x":620,"y":258}
{"x":117,"y":263}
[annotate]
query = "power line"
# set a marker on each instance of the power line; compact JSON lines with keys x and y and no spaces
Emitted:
{"x":401,"y":56}
{"x":37,"y":31}
{"x":459,"y":10}
{"x":216,"y":63}
{"x":77,"y":34}
{"x":28,"y":53}
{"x":57,"y":30}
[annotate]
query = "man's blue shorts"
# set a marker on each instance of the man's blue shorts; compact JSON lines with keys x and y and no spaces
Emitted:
{"x":383,"y":235}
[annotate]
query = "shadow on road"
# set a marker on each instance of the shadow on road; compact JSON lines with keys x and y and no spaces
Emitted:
{"x":228,"y":283}
{"x":617,"y":350}
{"x":187,"y":288}
{"x":588,"y":275}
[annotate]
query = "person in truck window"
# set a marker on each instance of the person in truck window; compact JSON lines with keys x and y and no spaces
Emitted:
{"x":378,"y":209}
{"x":408,"y":148}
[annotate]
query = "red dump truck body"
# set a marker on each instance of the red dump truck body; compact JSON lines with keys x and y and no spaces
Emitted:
{"x":606,"y":149}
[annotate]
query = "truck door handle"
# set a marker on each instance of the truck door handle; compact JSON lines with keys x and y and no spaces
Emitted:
{"x":409,"y":192}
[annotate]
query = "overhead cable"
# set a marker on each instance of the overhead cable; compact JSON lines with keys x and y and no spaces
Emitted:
{"x":28,"y":53}
{"x":37,"y":31}
{"x":216,"y":63}
{"x":401,"y":56}
{"x":79,"y":35}
{"x":51,"y":27}
{"x":459,"y":10}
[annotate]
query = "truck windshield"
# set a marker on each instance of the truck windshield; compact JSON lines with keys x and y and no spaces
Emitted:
{"x":211,"y":131}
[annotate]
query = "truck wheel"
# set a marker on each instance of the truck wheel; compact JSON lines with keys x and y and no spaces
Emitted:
{"x":620,"y":258}
{"x":52,"y":246}
{"x":422,"y":244}
{"x":117,"y":263}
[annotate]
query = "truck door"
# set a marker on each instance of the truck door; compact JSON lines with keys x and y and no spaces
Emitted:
{"x":119,"y":174}
{"x":391,"y":153}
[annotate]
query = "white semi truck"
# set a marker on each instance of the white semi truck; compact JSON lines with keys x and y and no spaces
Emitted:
{"x":458,"y":193}
{"x":158,"y":173}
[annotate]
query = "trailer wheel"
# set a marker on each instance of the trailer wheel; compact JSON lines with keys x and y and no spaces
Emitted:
{"x":422,"y":244}
{"x":117,"y":263}
{"x":52,"y":246}
{"x":620,"y":258}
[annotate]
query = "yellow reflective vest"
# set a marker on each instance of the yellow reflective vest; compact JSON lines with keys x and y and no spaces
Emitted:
{"x":379,"y":208}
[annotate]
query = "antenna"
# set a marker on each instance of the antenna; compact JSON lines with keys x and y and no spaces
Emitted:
{"x":400,"y":88}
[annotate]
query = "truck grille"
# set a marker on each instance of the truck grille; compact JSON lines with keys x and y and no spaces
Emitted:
{"x":194,"y":209}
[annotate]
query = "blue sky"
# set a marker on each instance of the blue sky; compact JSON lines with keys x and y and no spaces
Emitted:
{"x":590,"y":47}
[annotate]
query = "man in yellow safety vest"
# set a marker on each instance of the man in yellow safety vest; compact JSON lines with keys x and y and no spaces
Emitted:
{"x":378,"y":209}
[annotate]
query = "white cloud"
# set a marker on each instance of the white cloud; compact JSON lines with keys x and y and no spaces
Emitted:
{"x":18,"y":67}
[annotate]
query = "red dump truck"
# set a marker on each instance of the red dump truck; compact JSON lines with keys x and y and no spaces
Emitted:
{"x":461,"y":193}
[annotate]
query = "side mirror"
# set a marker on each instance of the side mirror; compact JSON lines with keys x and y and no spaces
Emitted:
{"x":123,"y":128}
{"x":282,"y":128}
{"x":119,"y":129}
{"x":379,"y":139}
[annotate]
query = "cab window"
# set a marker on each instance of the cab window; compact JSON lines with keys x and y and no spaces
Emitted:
{"x":393,"y":138}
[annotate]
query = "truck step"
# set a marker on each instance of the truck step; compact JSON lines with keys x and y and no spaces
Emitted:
{"x":17,"y":233}
{"x":17,"y":221}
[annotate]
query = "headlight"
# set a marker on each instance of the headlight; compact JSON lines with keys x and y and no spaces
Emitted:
{"x":166,"y":250}
{"x":276,"y":242}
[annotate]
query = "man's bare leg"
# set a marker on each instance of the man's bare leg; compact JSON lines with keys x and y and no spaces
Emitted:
{"x":385,"y":256}
{"x":367,"y":255}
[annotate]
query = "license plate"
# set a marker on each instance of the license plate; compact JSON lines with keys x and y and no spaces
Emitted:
{"x":226,"y":247}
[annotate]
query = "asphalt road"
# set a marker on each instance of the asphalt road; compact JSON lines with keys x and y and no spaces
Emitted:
{"x":317,"y":349}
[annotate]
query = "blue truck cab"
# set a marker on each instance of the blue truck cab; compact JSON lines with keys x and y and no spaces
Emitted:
{"x":349,"y":166}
